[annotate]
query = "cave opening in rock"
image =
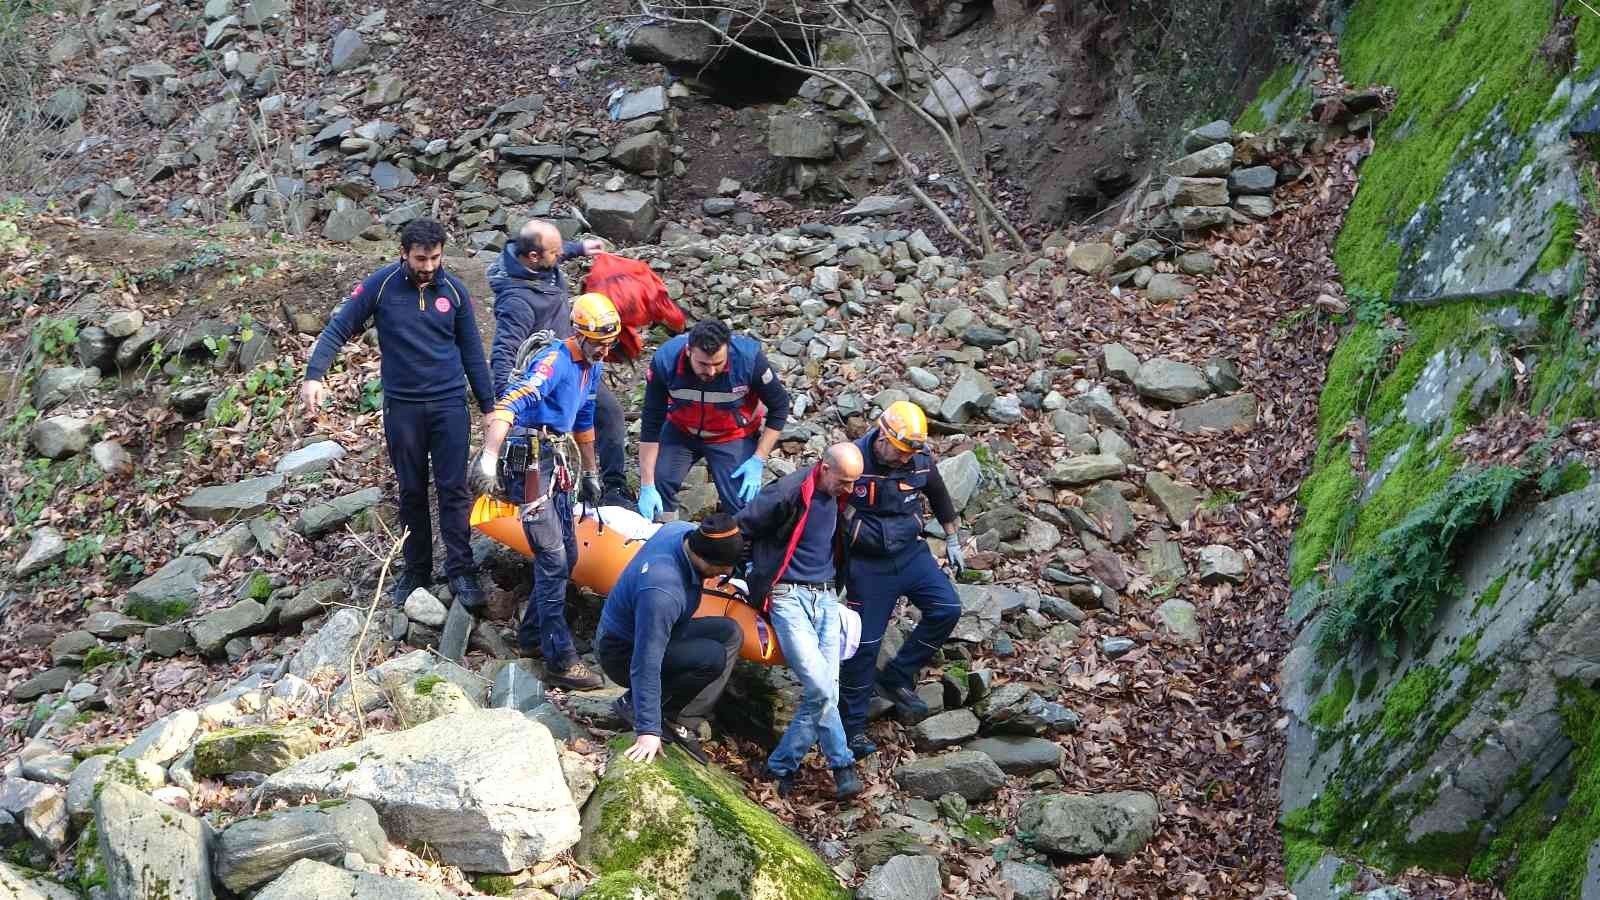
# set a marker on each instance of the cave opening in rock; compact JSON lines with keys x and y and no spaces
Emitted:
{"x":738,"y":78}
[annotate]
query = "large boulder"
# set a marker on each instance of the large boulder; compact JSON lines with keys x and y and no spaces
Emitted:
{"x":962,"y":474}
{"x":41,"y":810}
{"x":57,"y":384}
{"x":256,"y":850}
{"x":1171,"y":381}
{"x":309,"y":878}
{"x":86,"y":779}
{"x":1018,"y":755}
{"x":690,"y":830}
{"x":59,"y":437}
{"x":647,"y":154}
{"x":150,"y":849}
{"x":315,"y":521}
{"x":625,"y":217}
{"x":1116,"y":824}
{"x":165,"y":739}
{"x":909,"y":877}
{"x":671,"y":43}
{"x":213,"y":630}
{"x":483,"y":789}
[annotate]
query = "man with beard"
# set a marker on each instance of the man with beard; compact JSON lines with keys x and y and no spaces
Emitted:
{"x":531,"y":296}
{"x":709,"y":394}
{"x":430,"y":351}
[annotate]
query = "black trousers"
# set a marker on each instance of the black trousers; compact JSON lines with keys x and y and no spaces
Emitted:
{"x":610,"y":443}
{"x":695,"y":670}
{"x":418,"y":433}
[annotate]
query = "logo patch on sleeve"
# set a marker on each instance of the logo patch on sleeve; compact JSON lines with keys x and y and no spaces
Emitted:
{"x":766,"y":377}
{"x":442,"y":304}
{"x":357,"y":292}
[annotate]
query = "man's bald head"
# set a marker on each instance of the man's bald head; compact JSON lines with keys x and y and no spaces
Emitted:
{"x":539,"y":242}
{"x":841,"y":466}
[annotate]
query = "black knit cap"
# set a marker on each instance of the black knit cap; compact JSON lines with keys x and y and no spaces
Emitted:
{"x":717,"y":540}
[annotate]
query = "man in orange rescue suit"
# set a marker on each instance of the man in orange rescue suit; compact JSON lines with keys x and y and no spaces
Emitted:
{"x":886,"y":559}
{"x":554,"y":396}
{"x":708,"y":394}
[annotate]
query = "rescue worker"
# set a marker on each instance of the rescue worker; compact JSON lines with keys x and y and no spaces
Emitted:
{"x":531,"y":296}
{"x":791,"y":527}
{"x":709,"y":394}
{"x":674,"y":666}
{"x":886,"y":559}
{"x":430,"y":351}
{"x":553,"y":397}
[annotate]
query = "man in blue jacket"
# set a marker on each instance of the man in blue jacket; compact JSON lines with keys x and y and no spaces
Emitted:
{"x":674,"y":665}
{"x":708,"y":394}
{"x":554,"y":397}
{"x":792,"y":526}
{"x":886,"y":559}
{"x":430,"y":351}
{"x":531,"y":296}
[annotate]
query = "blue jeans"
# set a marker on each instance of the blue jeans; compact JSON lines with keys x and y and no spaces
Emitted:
{"x":677,"y":453}
{"x":806,"y":622}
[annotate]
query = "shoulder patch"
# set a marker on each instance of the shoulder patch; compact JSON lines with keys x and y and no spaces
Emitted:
{"x":766,"y":377}
{"x":357,"y":292}
{"x":644,"y":569}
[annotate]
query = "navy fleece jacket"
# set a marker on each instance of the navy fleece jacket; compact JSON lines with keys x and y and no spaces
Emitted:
{"x":428,"y":339}
{"x":657,"y":591}
{"x":526,"y":300}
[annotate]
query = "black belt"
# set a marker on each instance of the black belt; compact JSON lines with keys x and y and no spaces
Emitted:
{"x":814,"y":585}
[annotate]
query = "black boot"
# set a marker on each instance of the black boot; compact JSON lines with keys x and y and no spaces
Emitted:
{"x":405,"y":584}
{"x":908,"y":707}
{"x":862,"y":746}
{"x":846,"y":783}
{"x":465,"y":590}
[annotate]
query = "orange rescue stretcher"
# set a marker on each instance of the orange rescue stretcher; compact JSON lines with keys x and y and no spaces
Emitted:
{"x":603,"y":551}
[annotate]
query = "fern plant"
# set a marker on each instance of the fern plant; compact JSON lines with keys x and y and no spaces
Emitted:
{"x":1396,"y":588}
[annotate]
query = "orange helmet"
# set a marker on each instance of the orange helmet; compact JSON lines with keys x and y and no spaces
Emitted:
{"x":594,"y":316}
{"x":905,"y":425}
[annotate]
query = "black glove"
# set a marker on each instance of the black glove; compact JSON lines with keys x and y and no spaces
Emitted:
{"x":589,"y":489}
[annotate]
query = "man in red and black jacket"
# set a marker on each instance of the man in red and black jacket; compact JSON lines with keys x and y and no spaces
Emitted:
{"x":792,"y":527}
{"x":709,"y":394}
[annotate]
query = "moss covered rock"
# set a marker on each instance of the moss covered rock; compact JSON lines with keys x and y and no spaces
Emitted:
{"x":429,"y":697}
{"x":266,"y":748}
{"x":691,"y":832}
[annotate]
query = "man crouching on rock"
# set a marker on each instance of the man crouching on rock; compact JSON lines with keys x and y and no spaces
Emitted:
{"x":675,"y":666}
{"x":791,"y":526}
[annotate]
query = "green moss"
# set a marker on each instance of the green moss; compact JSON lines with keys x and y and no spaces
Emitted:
{"x":1563,"y":238}
{"x":158,"y":612}
{"x":644,"y":832}
{"x":1490,"y":595}
{"x":1271,"y":92}
{"x":1369,"y":683}
{"x":1326,"y":496}
{"x":424,"y":686}
{"x":88,"y":868}
{"x":1571,"y":477}
{"x":100,"y":656}
{"x":1419,"y":474}
{"x":1466,"y":651}
{"x":1432,"y":52}
{"x":1549,"y":860}
{"x":257,"y":587}
{"x":1299,"y":855}
{"x":1587,"y":568}
{"x":346,"y":766}
{"x":1329,"y":709}
{"x":1345,"y":874}
{"x":1407,"y":700}
{"x":623,"y":885}
{"x":494,"y":885}
{"x":1348,"y":384}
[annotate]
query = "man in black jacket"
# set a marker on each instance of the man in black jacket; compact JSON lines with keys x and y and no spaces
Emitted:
{"x":530,"y":296}
{"x":791,"y":527}
{"x":431,"y":351}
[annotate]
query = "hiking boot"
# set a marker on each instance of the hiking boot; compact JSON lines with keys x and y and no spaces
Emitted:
{"x":623,"y":707}
{"x":683,"y":737}
{"x":786,"y":783}
{"x":405,"y":584}
{"x":846,"y":783}
{"x":465,"y":590}
{"x":908,"y":707}
{"x":575,"y":677}
{"x":862,"y":746}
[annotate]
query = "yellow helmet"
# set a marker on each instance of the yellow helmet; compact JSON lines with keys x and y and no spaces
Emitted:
{"x":905,"y":425}
{"x":594,"y":316}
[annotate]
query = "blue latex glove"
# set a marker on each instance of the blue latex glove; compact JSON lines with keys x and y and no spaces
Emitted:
{"x":649,"y":501}
{"x":952,"y":553}
{"x":749,"y":474}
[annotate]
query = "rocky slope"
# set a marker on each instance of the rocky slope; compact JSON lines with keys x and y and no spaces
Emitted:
{"x":194,"y":560}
